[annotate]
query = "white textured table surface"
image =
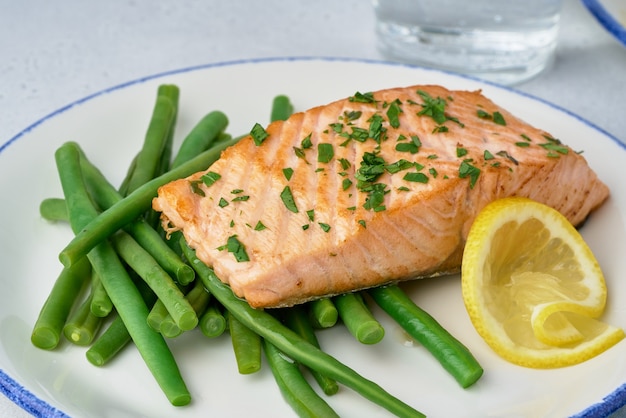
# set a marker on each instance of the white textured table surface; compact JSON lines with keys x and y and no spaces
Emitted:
{"x":55,"y":52}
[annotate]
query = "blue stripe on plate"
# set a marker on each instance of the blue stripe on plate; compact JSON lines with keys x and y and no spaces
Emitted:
{"x":26,"y":400}
{"x":606,"y":19}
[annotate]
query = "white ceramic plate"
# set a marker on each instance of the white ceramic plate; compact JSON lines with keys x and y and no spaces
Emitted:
{"x":611,"y":14}
{"x":110,"y":127}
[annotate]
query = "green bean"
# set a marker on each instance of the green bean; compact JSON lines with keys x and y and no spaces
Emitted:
{"x":201,"y":137}
{"x":101,"y":304}
{"x":297,"y":319}
{"x":150,"y":239}
{"x":129,"y":174}
{"x":323,"y":313}
{"x":48,"y":327}
{"x":246,"y":346}
{"x":132,"y":206}
{"x":223,"y":137}
{"x":212,"y":322}
{"x":105,"y":196}
{"x":294,"y":346}
{"x":111,"y":342}
{"x":281,"y":108}
{"x":116,"y":336}
{"x":172,"y":92}
{"x":53,"y":209}
{"x":117,"y":282}
{"x":294,"y":387}
{"x":159,"y":281}
{"x":451,"y":353}
{"x":156,"y":315}
{"x":148,"y":160}
{"x":198,"y":297}
{"x":169,"y":328}
{"x":82,"y":325}
{"x":162,"y":320}
{"x":358,"y":319}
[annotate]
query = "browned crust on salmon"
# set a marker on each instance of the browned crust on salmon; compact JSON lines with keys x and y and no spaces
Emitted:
{"x":420,"y":228}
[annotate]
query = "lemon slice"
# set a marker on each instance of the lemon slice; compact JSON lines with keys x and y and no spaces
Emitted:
{"x":532,"y":287}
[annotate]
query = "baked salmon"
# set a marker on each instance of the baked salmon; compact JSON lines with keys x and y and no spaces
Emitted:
{"x":375,"y":188}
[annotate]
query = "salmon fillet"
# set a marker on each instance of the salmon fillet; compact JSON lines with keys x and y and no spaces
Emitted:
{"x":372,"y":189}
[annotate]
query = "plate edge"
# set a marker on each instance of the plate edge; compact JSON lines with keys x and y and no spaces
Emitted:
{"x":40,"y":408}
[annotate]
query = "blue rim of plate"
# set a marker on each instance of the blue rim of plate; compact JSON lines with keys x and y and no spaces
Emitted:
{"x":37,"y":407}
{"x":606,"y":19}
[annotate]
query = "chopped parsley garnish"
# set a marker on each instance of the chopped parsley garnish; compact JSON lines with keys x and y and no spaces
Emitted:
{"x":325,"y":152}
{"x":499,"y":119}
{"x":337,"y":127}
{"x":259,"y":226}
{"x":376,"y":130}
{"x":507,"y":156}
{"x":433,"y":172}
{"x":416,"y":177}
{"x":223,"y":203}
{"x":345,"y":164}
{"x":488,"y":156}
{"x":306,"y":142}
{"x":358,"y":134}
{"x":310,"y":214}
{"x":234,"y":246}
{"x":399,"y":166}
{"x":241,"y":198}
{"x":362,"y":223}
{"x":461,"y":152}
{"x":259,"y":134}
{"x":209,"y":178}
{"x":372,"y":166}
{"x":436,"y":109}
{"x":195,"y":187}
{"x":413,"y":146}
{"x":362,"y":98}
{"x":555,"y":145}
{"x":300,"y":153}
{"x":468,"y":170}
{"x":483,"y":114}
{"x":393,"y":113}
{"x":376,"y":197}
{"x":288,"y":200}
{"x":325,"y":227}
{"x":522,"y":144}
{"x":346,"y":183}
{"x":496,"y":117}
{"x":288,"y":172}
{"x":351,"y":115}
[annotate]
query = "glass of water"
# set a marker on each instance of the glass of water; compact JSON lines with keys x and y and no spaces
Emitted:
{"x":504,"y":41}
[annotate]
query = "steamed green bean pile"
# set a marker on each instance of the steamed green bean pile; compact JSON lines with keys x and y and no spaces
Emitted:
{"x":125,"y":282}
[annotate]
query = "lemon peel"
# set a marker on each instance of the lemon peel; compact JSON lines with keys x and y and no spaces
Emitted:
{"x":533,"y":288}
